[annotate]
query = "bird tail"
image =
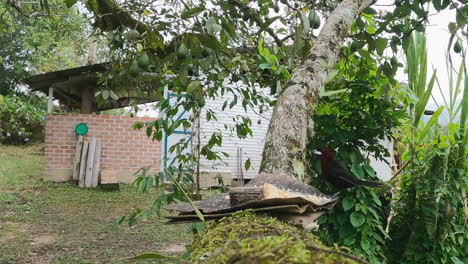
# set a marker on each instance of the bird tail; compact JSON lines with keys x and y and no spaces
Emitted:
{"x":370,"y":184}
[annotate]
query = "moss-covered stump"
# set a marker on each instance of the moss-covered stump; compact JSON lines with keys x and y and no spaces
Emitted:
{"x":247,"y":238}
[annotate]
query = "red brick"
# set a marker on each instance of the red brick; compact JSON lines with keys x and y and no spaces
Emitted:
{"x":123,"y":147}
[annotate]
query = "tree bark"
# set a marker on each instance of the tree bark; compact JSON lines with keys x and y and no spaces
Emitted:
{"x":87,"y":100}
{"x":291,"y":122}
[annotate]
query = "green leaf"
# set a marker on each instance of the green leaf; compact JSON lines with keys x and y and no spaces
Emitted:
{"x":331,"y":93}
{"x":365,"y":244}
{"x":460,"y":18}
{"x":357,"y":170}
{"x":440,"y":4}
{"x":210,"y":42}
{"x":424,"y":97}
{"x":267,"y":23}
{"x":305,"y":22}
{"x":192,"y":12}
{"x":437,"y":4}
{"x":149,"y":183}
{"x":348,"y":203}
{"x":113,"y":95}
{"x":228,"y":27}
{"x":142,"y":186}
{"x":370,"y":29}
{"x":264,"y":66}
{"x":118,"y":220}
{"x":150,"y":256}
{"x":195,"y":208}
{"x":212,"y":27}
{"x":105,"y":94}
{"x":247,"y":164}
{"x":357,"y":219}
{"x":434,"y":120}
{"x":234,"y":102}
{"x":452,"y":27}
{"x":70,"y":3}
{"x":369,"y":170}
{"x":456,"y":260}
{"x":139,"y":47}
{"x":349,"y":240}
{"x":380,"y":45}
{"x":370,"y":11}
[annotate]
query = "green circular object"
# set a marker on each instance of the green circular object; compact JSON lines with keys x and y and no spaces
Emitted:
{"x":81,"y":129}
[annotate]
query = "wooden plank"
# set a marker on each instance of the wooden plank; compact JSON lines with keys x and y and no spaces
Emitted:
{"x":109,"y":176}
{"x":97,"y":164}
{"x":77,"y":158}
{"x":50,"y":105}
{"x":90,"y":162}
{"x":240,"y":195}
{"x":84,"y":156}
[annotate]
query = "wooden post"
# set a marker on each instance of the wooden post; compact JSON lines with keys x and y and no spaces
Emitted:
{"x":96,"y":164}
{"x":77,"y":158}
{"x":84,"y":155}
{"x":87,"y":100}
{"x":50,"y":104}
{"x":90,"y":162}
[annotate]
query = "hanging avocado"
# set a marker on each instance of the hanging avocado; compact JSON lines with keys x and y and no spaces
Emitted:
{"x":143,"y":60}
{"x":235,"y":78}
{"x":276,"y":8}
{"x":190,"y":69}
{"x":314,"y":19}
{"x":134,"y":69}
{"x":457,"y":47}
{"x":182,"y":51}
{"x":201,"y":102}
{"x":206,"y":52}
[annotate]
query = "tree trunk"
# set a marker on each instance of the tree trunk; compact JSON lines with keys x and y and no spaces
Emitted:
{"x":291,"y":122}
{"x":87,"y":100}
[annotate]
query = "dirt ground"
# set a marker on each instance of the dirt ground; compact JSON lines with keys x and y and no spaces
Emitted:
{"x":43,"y":222}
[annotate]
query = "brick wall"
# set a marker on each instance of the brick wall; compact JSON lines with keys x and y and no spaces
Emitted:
{"x":124,"y":150}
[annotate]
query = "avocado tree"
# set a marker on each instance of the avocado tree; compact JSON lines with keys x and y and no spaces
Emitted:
{"x":203,"y":49}
{"x":289,"y":46}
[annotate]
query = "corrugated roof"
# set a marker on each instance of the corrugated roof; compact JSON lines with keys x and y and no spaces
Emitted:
{"x":68,"y":84}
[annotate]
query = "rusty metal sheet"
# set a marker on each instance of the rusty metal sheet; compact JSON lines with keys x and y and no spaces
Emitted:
{"x":297,"y":214}
{"x":221,"y":203}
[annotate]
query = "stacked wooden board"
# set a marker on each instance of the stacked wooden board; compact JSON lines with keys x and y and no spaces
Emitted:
{"x":87,"y":162}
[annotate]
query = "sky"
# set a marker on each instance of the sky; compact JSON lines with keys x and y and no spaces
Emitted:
{"x":437,"y":40}
{"x":438,"y":37}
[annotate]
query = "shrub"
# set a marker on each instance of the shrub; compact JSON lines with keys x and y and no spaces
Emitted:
{"x":21,"y":118}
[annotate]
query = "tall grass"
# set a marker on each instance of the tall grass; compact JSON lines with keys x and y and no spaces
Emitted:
{"x":429,"y":221}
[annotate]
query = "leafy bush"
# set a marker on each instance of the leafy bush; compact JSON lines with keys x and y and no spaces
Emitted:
{"x":429,"y":225}
{"x":355,"y":121}
{"x":21,"y":118}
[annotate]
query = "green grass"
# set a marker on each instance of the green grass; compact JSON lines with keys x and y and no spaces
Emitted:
{"x":44,"y":222}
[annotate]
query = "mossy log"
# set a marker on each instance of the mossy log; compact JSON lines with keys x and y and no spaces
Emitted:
{"x":247,"y":238}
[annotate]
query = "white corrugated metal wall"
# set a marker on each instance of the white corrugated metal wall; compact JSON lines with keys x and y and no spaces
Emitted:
{"x":251,"y":147}
{"x":239,"y":149}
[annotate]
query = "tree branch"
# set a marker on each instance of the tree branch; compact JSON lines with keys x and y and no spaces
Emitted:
{"x":255,"y":16}
{"x":110,"y":16}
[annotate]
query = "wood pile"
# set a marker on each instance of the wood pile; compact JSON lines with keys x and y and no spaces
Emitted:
{"x":87,"y":162}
